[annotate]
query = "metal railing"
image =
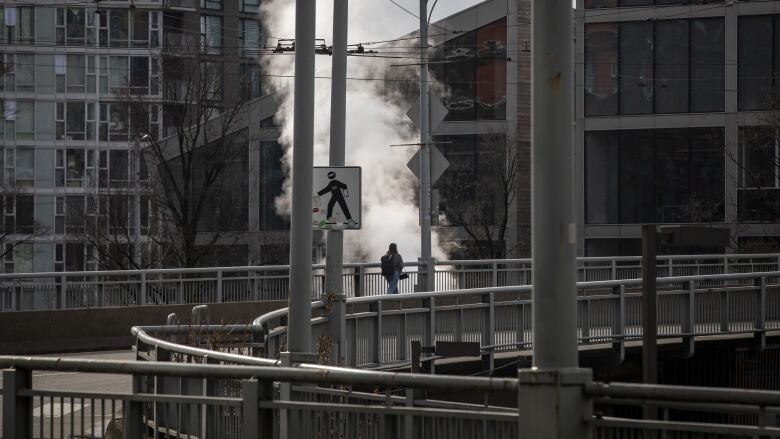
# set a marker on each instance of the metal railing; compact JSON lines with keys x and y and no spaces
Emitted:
{"x":379,"y":329}
{"x":207,"y":400}
{"x":94,"y":289}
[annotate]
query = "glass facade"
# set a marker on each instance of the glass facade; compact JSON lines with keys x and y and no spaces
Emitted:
{"x":665,"y":66}
{"x":472,"y":68}
{"x":654,"y":176}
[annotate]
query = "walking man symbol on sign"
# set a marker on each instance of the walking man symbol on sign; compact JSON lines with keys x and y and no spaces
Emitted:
{"x":338,"y":191}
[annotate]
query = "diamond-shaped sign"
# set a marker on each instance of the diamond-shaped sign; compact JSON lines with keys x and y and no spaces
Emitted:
{"x":437,"y":112}
{"x":439,"y":164}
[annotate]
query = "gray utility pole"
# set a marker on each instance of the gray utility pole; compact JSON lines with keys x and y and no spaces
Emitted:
{"x":551,"y":397}
{"x":299,"y":320}
{"x":137,"y":204}
{"x":425,"y":155}
{"x":334,"y":263}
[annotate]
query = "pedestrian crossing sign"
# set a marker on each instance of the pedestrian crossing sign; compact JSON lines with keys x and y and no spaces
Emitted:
{"x":336,"y":202}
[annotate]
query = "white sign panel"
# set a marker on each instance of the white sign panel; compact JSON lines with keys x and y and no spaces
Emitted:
{"x":336,"y":202}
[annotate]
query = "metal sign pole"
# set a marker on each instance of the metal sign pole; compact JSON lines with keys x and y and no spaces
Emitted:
{"x":334,"y":261}
{"x":425,"y":154}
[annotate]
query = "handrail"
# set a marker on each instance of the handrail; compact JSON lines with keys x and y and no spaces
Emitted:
{"x":338,"y":376}
{"x":525,"y":288}
{"x":447,"y":262}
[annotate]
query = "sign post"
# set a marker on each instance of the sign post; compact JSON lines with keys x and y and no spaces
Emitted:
{"x":336,"y":198}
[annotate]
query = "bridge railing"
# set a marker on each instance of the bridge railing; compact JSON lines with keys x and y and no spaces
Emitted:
{"x":380,"y":329}
{"x":186,"y":400}
{"x":95,"y":289}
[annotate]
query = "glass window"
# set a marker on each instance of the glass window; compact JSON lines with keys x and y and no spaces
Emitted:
{"x":74,"y":127}
{"x":25,"y":28}
{"x":23,"y":257}
{"x":758,"y":151}
{"x":460,"y":76}
{"x":637,"y":202}
{"x":249,"y":6}
{"x":118,"y":29}
{"x":250,"y":37}
{"x":601,"y":69}
{"x":706,"y":202}
{"x":211,"y":79}
{"x":141,"y":28}
{"x":25,"y":217}
{"x":74,"y":256}
{"x":25,"y":73}
{"x":672,"y":161}
{"x":211,"y":4}
{"x":251,"y":81}
{"x":671,"y":66}
{"x":117,"y":75}
{"x":76,"y":82}
{"x":25,"y":167}
{"x":636,"y":67}
{"x":662,"y":176}
{"x":75,"y":162}
{"x":491,"y":71}
{"x":25,"y":120}
{"x":118,"y":166}
{"x":139,"y":74}
{"x":76,"y":27}
{"x":601,"y":177}
{"x":755,"y":62}
{"x":600,"y":4}
{"x":211,"y":32}
{"x":708,"y":55}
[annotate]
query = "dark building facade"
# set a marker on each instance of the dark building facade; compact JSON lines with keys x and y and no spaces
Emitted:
{"x":676,"y":120}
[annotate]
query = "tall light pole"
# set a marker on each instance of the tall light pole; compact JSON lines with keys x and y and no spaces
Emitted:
{"x":299,"y":330}
{"x":551,"y":397}
{"x":425,"y":155}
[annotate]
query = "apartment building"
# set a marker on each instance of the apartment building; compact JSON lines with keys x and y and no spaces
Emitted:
{"x":68,"y":146}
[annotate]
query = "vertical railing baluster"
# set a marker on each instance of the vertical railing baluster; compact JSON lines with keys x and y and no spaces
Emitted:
{"x":761,"y":313}
{"x":689,"y":320}
{"x":142,"y":289}
{"x":219,"y":286}
{"x":619,"y":322}
{"x":489,"y":332}
{"x":377,"y":339}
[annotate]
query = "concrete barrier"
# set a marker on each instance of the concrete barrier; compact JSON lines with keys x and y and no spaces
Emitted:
{"x":79,"y":330}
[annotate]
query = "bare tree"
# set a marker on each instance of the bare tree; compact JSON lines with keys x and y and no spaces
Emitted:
{"x":196,"y":158}
{"x":477,"y":196}
{"x":193,"y":166}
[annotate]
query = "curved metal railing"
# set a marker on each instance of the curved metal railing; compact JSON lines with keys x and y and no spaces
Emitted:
{"x":379,"y":329}
{"x":94,"y":289}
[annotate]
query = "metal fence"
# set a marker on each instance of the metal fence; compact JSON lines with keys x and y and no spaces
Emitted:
{"x":95,"y":289}
{"x":379,"y":329}
{"x":295,"y":402}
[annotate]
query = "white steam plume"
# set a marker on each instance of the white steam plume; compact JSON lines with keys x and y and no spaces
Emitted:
{"x":374,"y":122}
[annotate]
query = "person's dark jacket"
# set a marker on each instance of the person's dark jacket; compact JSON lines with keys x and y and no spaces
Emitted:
{"x":398,"y":262}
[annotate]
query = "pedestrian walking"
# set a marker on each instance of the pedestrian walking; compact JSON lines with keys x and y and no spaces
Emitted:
{"x":392,"y":264}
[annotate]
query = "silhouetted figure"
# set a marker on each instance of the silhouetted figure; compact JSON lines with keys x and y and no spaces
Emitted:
{"x":335,"y":188}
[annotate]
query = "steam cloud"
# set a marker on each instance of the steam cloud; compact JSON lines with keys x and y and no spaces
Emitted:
{"x":374,"y":122}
